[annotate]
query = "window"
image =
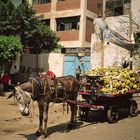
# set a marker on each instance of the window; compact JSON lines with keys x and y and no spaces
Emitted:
{"x":118,"y":10}
{"x":46,"y":22}
{"x":99,"y":7}
{"x":127,"y":1}
{"x":70,"y":23}
{"x":41,"y":1}
{"x":116,"y":7}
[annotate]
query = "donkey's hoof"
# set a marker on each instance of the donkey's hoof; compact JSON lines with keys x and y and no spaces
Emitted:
{"x":71,"y":126}
{"x":45,"y":135}
{"x":38,"y":133}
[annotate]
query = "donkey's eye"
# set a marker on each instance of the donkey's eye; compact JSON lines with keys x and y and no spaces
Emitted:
{"x":19,"y":98}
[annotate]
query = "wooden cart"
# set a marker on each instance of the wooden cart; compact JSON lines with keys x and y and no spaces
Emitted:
{"x":92,"y":99}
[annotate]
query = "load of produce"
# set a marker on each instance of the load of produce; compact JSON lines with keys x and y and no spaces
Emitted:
{"x":116,"y":80}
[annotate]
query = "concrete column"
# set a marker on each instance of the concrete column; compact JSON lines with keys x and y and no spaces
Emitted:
{"x":52,"y":19}
{"x":82,"y":30}
{"x":30,"y":2}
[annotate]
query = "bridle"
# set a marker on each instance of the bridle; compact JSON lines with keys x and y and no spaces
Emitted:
{"x":26,"y":105}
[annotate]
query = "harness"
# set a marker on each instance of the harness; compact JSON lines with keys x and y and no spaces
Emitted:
{"x":37,"y":88}
{"x":42,"y":87}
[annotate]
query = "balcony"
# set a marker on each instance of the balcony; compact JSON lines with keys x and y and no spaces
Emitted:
{"x":68,"y":35}
{"x":42,"y":8}
{"x":67,"y":5}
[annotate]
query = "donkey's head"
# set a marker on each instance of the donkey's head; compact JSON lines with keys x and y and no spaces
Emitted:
{"x":23,"y":100}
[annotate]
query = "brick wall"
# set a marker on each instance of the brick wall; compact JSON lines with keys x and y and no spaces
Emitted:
{"x":89,"y":29}
{"x":92,"y":5}
{"x":69,"y":35}
{"x":42,"y":8}
{"x":67,"y":5}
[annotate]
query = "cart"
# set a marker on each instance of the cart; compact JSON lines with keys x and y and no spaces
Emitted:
{"x":92,"y":99}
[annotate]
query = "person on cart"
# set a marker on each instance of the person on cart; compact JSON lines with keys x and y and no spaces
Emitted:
{"x":78,"y":72}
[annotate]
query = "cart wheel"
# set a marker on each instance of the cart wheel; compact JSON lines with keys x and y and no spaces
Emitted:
{"x":83,"y":112}
{"x":133,"y":111}
{"x":112,"y":115}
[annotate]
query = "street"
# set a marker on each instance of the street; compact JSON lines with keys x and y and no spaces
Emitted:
{"x":14,"y":126}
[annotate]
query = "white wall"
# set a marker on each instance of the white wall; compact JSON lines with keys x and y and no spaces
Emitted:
{"x":56,"y":63}
{"x":48,"y":61}
{"x":113,"y":54}
{"x":136,"y":11}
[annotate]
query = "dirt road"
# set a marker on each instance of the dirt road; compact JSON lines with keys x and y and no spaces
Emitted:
{"x":14,"y":126}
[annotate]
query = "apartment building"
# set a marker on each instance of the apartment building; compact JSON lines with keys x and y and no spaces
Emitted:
{"x":72,"y":20}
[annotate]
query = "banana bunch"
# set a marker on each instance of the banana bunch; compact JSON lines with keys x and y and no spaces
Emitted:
{"x":116,"y":79}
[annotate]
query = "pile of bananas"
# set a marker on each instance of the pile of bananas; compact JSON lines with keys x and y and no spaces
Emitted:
{"x":116,"y":80}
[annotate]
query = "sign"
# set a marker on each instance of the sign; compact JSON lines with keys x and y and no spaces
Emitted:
{"x":76,"y":51}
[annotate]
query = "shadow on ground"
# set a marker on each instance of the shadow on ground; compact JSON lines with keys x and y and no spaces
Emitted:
{"x":101,"y":117}
{"x":92,"y":118}
{"x":61,"y":128}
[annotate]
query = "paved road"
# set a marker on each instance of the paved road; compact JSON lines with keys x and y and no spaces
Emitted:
{"x":15,"y":127}
{"x":124,"y":129}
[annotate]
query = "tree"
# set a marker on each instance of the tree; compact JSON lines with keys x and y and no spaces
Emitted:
{"x":10,"y":48}
{"x":23,"y":22}
{"x":137,"y":44}
{"x":42,"y":39}
{"x":7,"y":24}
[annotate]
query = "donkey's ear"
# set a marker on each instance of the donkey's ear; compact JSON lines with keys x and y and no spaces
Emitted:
{"x":12,"y":87}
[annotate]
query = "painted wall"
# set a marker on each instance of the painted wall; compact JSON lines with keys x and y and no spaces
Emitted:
{"x":136,"y":12}
{"x":56,"y":63}
{"x":113,"y":54}
{"x":46,"y":61}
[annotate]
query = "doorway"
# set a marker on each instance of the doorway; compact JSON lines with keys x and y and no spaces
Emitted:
{"x":71,"y":63}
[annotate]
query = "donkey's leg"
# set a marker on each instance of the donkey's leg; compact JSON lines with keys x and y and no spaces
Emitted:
{"x":46,"y":108}
{"x":72,"y":124}
{"x":41,"y":110}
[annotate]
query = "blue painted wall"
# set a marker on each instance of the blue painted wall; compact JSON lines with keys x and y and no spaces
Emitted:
{"x":71,"y":63}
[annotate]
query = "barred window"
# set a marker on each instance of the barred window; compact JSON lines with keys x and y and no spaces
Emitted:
{"x":70,"y":23}
{"x":117,"y":7}
{"x":41,"y":1}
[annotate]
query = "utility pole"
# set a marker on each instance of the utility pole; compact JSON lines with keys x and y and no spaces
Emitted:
{"x":102,"y":49}
{"x":130,"y":32}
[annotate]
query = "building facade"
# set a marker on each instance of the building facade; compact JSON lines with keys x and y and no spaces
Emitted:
{"x":123,"y":25}
{"x":72,"y":20}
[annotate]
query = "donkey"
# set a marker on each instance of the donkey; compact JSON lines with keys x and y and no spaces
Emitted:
{"x":46,"y":90}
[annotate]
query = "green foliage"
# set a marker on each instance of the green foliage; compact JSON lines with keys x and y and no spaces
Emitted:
{"x":137,"y":40}
{"x":21,"y":21}
{"x":125,"y":64}
{"x":43,"y":38}
{"x":10,"y":48}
